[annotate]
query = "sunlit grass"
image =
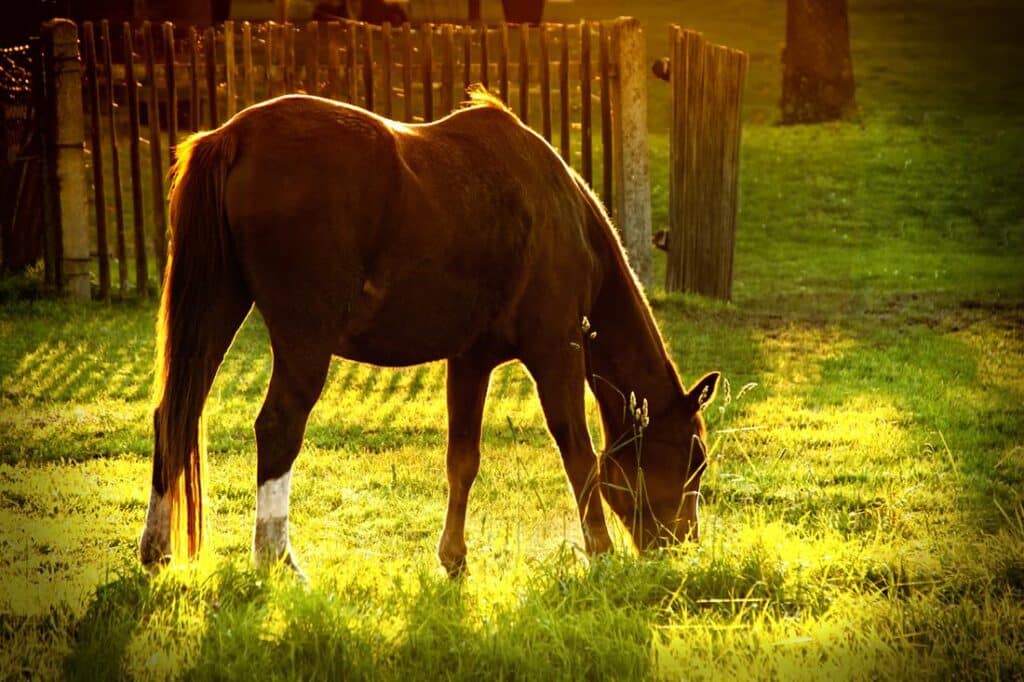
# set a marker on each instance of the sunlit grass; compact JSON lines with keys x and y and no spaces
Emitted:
{"x":863,"y":513}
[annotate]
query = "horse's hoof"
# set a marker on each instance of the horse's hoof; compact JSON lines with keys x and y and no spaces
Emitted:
{"x":456,"y":567}
{"x":265,"y":563}
{"x":155,"y":566}
{"x":293,"y":567}
{"x":598,"y":544}
{"x":154,"y":554}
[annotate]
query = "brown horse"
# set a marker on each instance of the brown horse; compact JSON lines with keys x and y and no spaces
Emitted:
{"x":468,"y":239}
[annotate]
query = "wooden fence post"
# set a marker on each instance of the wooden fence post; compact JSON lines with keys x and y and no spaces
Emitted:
{"x":629,"y":140}
{"x":69,"y":140}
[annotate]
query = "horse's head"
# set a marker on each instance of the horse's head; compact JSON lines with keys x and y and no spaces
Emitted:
{"x":654,"y":489}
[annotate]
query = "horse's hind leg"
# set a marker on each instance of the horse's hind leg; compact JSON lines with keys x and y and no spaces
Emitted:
{"x":295,"y":385}
{"x":467,"y":390}
{"x":559,"y":375}
{"x":221,"y":320}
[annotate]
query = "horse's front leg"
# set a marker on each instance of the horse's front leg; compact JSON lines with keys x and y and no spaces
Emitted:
{"x":467,"y":391}
{"x":295,"y":386}
{"x":558,"y":369}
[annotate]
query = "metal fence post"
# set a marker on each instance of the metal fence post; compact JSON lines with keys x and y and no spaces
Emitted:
{"x":69,"y":141}
{"x":629,"y":143}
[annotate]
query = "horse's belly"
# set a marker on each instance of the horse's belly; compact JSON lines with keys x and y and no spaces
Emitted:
{"x":413,"y":325}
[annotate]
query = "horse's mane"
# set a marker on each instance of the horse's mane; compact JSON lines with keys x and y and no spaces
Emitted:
{"x":479,"y":96}
{"x":619,"y":260}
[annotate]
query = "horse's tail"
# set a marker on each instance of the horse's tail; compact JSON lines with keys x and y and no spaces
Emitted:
{"x":200,"y":261}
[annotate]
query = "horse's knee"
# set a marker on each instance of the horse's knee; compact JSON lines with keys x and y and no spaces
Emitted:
{"x":463,"y":467}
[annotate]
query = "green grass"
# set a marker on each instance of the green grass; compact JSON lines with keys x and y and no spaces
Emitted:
{"x":864,"y":512}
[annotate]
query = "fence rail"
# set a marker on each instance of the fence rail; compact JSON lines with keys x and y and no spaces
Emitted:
{"x":146,"y":85}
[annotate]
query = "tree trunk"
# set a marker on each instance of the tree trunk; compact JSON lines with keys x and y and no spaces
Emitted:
{"x":817,"y":81}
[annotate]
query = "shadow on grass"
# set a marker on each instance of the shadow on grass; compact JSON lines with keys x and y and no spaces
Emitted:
{"x":934,"y":380}
{"x":565,"y":624}
{"x":102,"y":636}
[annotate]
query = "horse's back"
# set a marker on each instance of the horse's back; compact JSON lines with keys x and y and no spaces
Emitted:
{"x":398,"y":244}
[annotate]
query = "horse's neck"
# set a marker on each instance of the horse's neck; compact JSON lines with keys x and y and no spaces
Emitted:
{"x":627,"y":355}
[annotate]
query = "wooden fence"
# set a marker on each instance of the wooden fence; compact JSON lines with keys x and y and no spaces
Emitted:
{"x":583,"y":87}
{"x":707,"y":90}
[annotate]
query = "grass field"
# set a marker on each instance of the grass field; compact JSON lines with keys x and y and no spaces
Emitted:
{"x":864,"y":509}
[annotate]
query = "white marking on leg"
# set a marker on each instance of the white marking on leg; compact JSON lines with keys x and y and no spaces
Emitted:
{"x":272,"y":497}
{"x":270,"y":541}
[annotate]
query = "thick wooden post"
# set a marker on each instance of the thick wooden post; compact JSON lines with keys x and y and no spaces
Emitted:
{"x":629,"y":141}
{"x":69,"y":139}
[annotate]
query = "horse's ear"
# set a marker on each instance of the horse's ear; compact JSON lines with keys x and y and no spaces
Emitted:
{"x":701,"y":395}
